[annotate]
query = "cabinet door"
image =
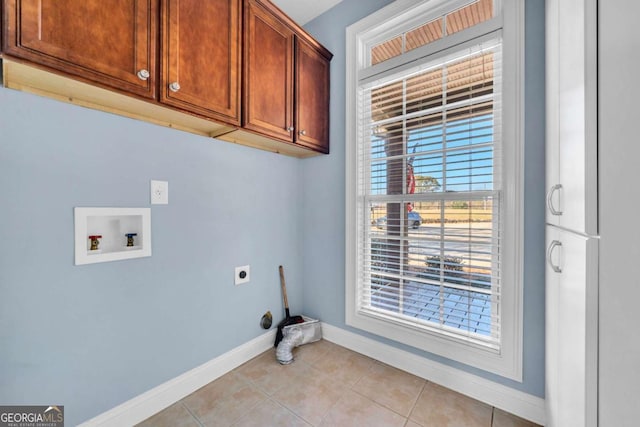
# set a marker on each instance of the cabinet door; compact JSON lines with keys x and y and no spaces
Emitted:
{"x":312,"y":97}
{"x":571,"y":329}
{"x":552,"y":161}
{"x":571,"y":43}
{"x":113,"y":44}
{"x":268,"y":61}
{"x":201,"y":57}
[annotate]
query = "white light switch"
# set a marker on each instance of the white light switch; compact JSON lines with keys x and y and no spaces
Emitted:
{"x":159,"y":193}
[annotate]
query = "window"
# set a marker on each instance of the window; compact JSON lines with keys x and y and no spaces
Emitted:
{"x":434,"y":179}
{"x":448,"y":23}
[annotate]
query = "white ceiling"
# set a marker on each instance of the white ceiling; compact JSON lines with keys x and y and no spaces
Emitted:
{"x":303,"y":11}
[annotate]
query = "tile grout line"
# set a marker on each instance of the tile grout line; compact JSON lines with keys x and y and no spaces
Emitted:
{"x":406,"y":417}
{"x":250,"y":409}
{"x":324,"y":417}
{"x":333,"y":406}
{"x":283,"y":406}
{"x":192,"y":414}
{"x":346,"y":388}
{"x":416,"y":402}
{"x":352,"y":388}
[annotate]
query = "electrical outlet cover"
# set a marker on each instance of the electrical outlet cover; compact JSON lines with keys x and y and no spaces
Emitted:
{"x":243,"y":274}
{"x":159,"y":193}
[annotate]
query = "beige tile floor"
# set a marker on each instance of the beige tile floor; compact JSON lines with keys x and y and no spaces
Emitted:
{"x":327,"y":386}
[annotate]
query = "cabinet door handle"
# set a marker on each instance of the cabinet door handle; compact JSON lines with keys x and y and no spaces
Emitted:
{"x":143,"y":74}
{"x":290,"y":128}
{"x":303,"y":132}
{"x":174,"y":87}
{"x":552,"y":209}
{"x":554,"y":244}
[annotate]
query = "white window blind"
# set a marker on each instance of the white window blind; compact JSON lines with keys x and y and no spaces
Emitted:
{"x":429,"y":195}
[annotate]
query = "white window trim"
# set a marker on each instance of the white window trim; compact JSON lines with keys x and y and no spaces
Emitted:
{"x":508,"y":362}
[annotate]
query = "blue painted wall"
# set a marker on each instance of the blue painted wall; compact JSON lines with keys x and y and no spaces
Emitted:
{"x":324,"y":196}
{"x":91,"y":337}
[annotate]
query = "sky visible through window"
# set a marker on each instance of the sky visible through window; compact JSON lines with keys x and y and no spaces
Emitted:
{"x":458,"y":154}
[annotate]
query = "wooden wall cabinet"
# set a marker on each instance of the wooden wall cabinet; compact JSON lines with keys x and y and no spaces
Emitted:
{"x":238,"y":70}
{"x":286,"y":81}
{"x":268,"y":73}
{"x":312,"y":96}
{"x":118,"y":49}
{"x":200,"y":70}
{"x":200,"y":54}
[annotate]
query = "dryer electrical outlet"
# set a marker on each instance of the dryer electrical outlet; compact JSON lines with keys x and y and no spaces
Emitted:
{"x":243,"y":274}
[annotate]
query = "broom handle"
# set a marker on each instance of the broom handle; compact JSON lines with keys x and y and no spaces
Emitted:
{"x":284,"y":291}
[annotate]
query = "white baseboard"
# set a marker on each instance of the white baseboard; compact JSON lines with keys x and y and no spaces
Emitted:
{"x":513,"y":401}
{"x":155,"y":400}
